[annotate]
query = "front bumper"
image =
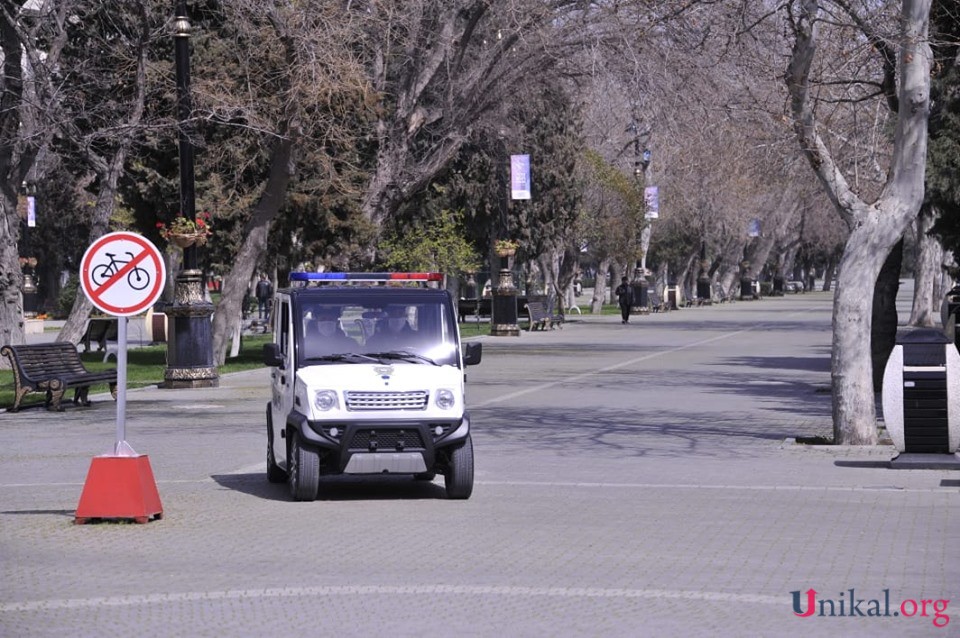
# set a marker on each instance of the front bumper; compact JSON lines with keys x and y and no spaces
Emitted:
{"x":377,"y":447}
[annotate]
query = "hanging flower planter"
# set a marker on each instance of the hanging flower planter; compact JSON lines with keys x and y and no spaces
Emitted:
{"x":184,"y":232}
{"x":185,"y":240}
{"x":505,"y":248}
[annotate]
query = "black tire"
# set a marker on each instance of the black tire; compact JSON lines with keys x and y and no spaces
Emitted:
{"x":275,"y":473}
{"x":458,"y":478}
{"x":303,"y":475}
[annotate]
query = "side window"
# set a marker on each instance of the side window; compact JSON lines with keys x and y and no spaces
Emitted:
{"x":283,"y":332}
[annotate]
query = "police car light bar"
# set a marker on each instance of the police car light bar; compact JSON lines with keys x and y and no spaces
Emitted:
{"x":330,"y":277}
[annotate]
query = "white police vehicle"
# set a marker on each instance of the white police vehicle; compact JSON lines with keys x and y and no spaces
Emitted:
{"x":368,"y":378}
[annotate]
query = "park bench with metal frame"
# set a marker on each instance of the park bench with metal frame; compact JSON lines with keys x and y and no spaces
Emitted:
{"x":101,"y":331}
{"x":53,"y":368}
{"x":541,"y":318}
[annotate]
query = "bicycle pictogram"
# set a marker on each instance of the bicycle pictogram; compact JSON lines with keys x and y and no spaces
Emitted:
{"x":138,"y":278}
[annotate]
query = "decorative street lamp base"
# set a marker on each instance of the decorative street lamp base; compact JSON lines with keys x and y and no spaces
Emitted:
{"x":505,"y":330}
{"x":179,"y":378}
{"x":503,"y":319}
{"x":189,"y":345}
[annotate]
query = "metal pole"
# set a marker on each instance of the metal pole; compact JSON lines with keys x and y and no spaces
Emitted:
{"x":188,"y":205}
{"x":190,"y":362}
{"x":121,"y":448}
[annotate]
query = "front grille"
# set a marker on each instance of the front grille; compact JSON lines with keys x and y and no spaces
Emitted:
{"x":416,"y":400}
{"x":386,"y":440}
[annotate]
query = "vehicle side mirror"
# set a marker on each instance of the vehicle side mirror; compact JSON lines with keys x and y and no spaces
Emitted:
{"x":271,"y":355}
{"x":472,"y":353}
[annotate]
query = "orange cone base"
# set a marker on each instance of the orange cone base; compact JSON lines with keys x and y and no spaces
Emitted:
{"x":119,"y":487}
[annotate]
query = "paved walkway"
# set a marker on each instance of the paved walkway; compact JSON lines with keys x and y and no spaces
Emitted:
{"x":631,"y":480}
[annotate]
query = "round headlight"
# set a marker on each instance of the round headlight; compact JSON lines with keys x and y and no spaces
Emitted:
{"x":325,"y":400}
{"x":445,"y":399}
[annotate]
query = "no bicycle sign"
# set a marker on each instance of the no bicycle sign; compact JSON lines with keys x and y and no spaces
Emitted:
{"x":122,"y":274}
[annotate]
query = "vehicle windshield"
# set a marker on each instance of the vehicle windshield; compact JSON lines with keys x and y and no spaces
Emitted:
{"x":352,"y":327}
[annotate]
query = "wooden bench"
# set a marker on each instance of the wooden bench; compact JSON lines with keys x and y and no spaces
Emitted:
{"x":537,"y":313}
{"x":53,"y":368}
{"x":719,"y":293}
{"x":100,"y":331}
{"x":474,"y":307}
{"x":541,"y":318}
{"x":656,"y":304}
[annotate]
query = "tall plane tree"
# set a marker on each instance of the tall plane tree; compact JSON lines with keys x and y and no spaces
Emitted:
{"x":440,"y":67}
{"x":875,"y":226}
{"x":31,"y":41}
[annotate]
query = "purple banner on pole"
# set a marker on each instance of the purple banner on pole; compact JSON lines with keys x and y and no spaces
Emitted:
{"x":520,"y":176}
{"x":651,"y":199}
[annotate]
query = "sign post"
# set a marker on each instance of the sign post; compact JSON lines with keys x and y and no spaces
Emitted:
{"x":122,"y":274}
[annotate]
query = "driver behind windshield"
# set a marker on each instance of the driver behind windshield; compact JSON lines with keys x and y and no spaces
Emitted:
{"x":324,"y":335}
{"x":392,"y":332}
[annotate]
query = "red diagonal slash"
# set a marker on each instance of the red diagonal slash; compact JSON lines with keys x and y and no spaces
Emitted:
{"x":98,"y":293}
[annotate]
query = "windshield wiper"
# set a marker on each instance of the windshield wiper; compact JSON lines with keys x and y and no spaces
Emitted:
{"x":346,"y":357}
{"x":405,"y":355}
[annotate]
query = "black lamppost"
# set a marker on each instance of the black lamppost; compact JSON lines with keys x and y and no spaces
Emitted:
{"x":703,"y":279}
{"x":641,"y":162}
{"x":746,"y":283}
{"x":28,"y":259}
{"x":190,"y":343}
{"x":503,"y":307}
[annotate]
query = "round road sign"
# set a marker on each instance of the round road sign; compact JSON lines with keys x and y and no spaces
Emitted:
{"x":122,"y":274}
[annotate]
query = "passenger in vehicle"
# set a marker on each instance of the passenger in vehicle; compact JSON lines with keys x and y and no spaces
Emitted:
{"x":325,"y":336}
{"x":392,"y":333}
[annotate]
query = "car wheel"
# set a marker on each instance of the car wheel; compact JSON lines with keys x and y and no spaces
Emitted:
{"x":275,"y":473}
{"x":458,"y":478}
{"x":303,"y":475}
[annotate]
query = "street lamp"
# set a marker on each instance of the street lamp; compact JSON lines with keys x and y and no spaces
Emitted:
{"x":190,"y":343}
{"x":503,"y":307}
{"x":641,"y":163}
{"x":28,"y":259}
{"x":703,"y":279}
{"x":746,"y":283}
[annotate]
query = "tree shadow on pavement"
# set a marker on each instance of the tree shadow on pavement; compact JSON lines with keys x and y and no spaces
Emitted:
{"x":618,"y":433}
{"x":808,"y":364}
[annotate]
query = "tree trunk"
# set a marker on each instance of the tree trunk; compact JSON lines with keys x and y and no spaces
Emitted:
{"x":76,"y":322}
{"x":11,"y":277}
{"x":854,"y":409}
{"x":600,"y":286}
{"x":14,"y":164}
{"x":568,"y":260}
{"x":874,"y":228}
{"x":884,"y":333}
{"x":926,"y":273}
{"x":761,"y":253}
{"x":229,"y":311}
{"x":828,"y":273}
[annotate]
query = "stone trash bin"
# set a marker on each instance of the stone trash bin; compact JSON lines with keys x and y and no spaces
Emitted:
{"x":921,"y":393}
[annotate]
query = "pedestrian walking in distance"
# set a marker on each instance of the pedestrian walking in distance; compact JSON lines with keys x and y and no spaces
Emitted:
{"x":264,"y":292}
{"x":624,"y":294}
